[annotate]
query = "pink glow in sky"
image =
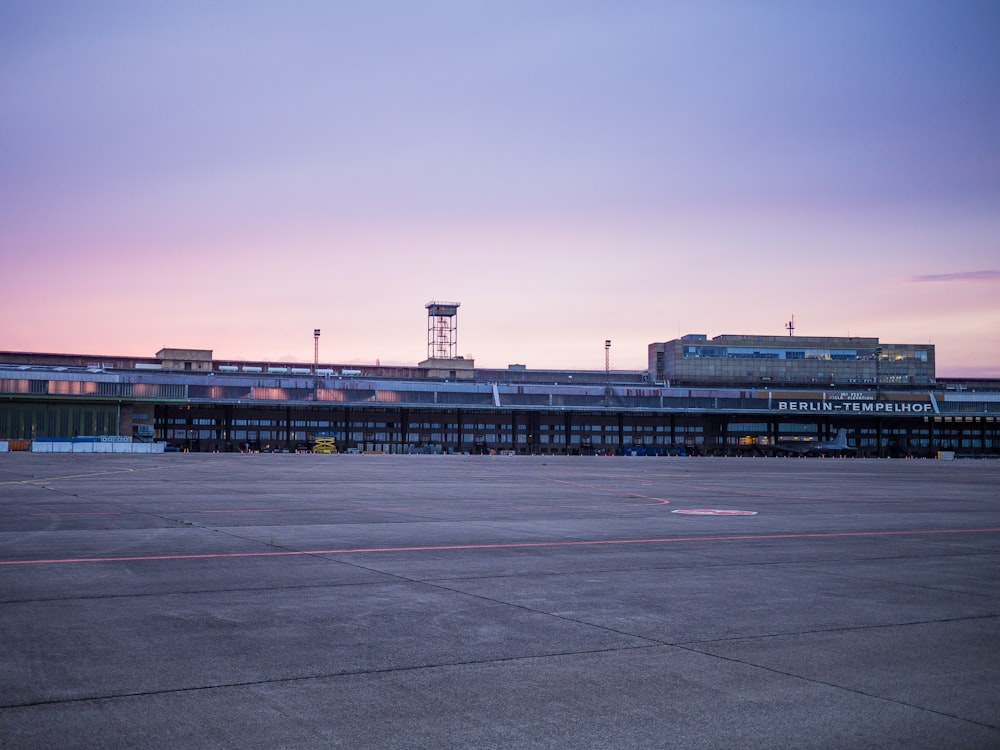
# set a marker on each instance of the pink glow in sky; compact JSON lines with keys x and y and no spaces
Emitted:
{"x":231,"y":175}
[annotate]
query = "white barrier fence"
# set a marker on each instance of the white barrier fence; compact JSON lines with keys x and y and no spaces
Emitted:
{"x":94,"y":445}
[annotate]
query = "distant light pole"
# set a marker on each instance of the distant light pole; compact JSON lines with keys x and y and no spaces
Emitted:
{"x":878,"y":396}
{"x":607,"y":372}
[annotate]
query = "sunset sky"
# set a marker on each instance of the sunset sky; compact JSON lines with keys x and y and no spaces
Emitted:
{"x":231,"y":175}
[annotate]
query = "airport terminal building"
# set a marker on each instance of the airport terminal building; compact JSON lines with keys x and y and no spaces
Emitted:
{"x":790,"y":360}
{"x":729,"y":395}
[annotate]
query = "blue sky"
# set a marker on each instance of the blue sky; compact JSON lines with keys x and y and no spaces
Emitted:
{"x":233,"y":175}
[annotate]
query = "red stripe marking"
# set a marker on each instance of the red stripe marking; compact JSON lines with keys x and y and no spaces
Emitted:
{"x":502,"y":545}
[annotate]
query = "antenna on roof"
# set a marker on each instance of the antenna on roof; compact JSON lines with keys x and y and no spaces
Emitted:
{"x":790,"y":326}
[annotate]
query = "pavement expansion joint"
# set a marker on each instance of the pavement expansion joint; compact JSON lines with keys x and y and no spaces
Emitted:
{"x":844,"y":688}
{"x":921,"y":587}
{"x":324,"y":676}
{"x":841,"y":629}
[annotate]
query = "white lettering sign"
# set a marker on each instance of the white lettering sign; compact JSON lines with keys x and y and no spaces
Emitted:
{"x":865,"y":407}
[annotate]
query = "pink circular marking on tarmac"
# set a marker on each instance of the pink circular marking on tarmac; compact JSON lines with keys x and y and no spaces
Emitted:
{"x":712,"y":512}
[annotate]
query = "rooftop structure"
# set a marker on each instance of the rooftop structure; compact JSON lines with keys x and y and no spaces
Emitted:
{"x":763,"y":361}
{"x":195,"y":360}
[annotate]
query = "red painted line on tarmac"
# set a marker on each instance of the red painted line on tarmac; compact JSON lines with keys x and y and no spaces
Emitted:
{"x":95,"y":513}
{"x":502,"y":545}
{"x":247,"y":510}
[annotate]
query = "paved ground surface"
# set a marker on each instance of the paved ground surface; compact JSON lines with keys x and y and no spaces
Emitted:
{"x":269,"y":601}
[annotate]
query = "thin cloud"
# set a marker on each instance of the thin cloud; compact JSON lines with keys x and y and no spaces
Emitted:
{"x":987,"y":276}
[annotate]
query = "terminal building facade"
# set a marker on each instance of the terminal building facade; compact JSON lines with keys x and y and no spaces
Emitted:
{"x":790,"y":360}
{"x":730,"y":395}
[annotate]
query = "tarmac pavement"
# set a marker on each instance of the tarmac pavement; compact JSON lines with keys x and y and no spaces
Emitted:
{"x":369,"y":601}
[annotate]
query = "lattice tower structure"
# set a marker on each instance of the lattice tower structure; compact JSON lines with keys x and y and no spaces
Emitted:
{"x":442,"y":330}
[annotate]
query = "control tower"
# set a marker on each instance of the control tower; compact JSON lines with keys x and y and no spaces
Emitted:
{"x":442,"y":330}
{"x":442,"y":344}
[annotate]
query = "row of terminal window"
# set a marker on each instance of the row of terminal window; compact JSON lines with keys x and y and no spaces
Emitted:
{"x":846,"y":355}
